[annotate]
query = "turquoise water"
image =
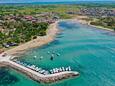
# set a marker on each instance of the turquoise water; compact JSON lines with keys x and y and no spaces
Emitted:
{"x":86,"y":49}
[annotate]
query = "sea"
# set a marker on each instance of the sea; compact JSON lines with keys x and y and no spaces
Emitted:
{"x":88,"y":50}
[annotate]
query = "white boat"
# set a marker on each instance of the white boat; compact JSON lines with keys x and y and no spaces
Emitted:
{"x":41,"y":57}
{"x":33,"y":67}
{"x":63,"y":69}
{"x":42,"y":71}
{"x":54,"y":70}
{"x":28,"y":66}
{"x":52,"y":55}
{"x":39,"y":69}
{"x":48,"y":52}
{"x":35,"y":57}
{"x":46,"y":73}
{"x":69,"y":68}
{"x":51,"y":71}
{"x":57,"y":70}
{"x":60,"y":69}
{"x":58,"y":54}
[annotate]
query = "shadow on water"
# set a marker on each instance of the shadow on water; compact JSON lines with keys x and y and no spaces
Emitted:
{"x":6,"y":77}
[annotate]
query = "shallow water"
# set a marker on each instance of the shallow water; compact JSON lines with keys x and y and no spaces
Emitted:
{"x":86,"y":49}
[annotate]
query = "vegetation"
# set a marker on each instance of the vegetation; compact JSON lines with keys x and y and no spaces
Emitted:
{"x":21,"y":32}
{"x":107,"y":22}
{"x":16,"y":28}
{"x":37,"y":9}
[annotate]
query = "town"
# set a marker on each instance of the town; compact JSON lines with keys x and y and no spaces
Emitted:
{"x":97,"y":12}
{"x":15,"y":29}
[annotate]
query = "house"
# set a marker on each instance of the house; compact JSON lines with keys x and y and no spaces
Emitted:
{"x":29,"y":18}
{"x":1,"y":51}
{"x":10,"y":44}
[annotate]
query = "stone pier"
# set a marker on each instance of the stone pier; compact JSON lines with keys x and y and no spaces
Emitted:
{"x":47,"y":79}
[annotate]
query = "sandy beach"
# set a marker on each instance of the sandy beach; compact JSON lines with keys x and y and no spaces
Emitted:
{"x":39,"y":41}
{"x":51,"y":33}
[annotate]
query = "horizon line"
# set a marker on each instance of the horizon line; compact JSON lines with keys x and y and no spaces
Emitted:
{"x":55,"y":2}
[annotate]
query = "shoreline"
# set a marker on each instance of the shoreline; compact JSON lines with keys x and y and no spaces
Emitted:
{"x":80,"y":20}
{"x":51,"y":33}
{"x":38,"y":42}
{"x":100,"y":27}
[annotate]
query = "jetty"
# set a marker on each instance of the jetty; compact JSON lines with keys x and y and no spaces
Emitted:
{"x":37,"y":76}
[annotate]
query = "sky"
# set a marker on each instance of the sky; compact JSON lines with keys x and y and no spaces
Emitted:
{"x":5,"y":1}
{"x":26,"y":1}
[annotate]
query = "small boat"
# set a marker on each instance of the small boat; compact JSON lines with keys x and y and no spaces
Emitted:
{"x":58,"y":54}
{"x":51,"y":71}
{"x":24,"y":64}
{"x":36,"y":68}
{"x":42,"y":71}
{"x":52,"y":56}
{"x":54,"y":70}
{"x":48,"y":52}
{"x":66,"y":69}
{"x":46,"y":73}
{"x":33,"y":67}
{"x":39,"y":69}
{"x":57,"y":70}
{"x":69,"y":68}
{"x":60,"y":69}
{"x":28,"y":66}
{"x":35,"y":57}
{"x":63,"y":69}
{"x":41,"y":57}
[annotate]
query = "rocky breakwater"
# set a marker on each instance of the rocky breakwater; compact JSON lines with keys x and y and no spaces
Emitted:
{"x":41,"y":78}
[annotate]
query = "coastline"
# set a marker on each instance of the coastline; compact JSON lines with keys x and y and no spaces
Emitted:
{"x":80,"y":20}
{"x":100,"y":27}
{"x":51,"y":33}
{"x":39,"y":41}
{"x":29,"y":71}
